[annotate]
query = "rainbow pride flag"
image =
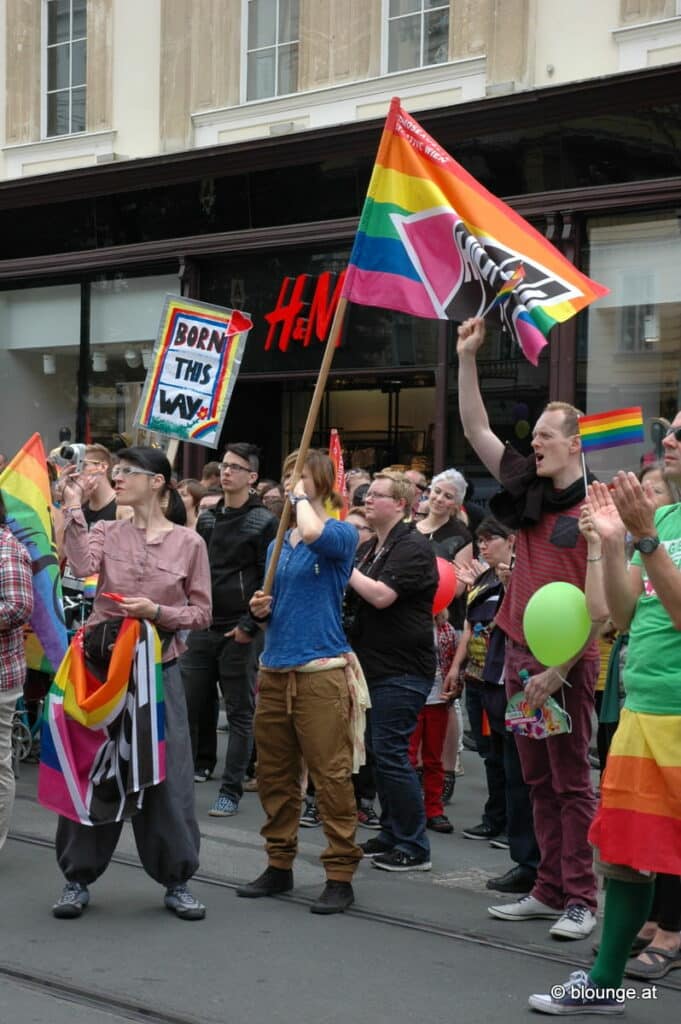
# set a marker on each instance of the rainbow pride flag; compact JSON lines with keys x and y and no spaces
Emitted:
{"x":26,"y":489}
{"x":103,"y":742}
{"x":611,"y":429}
{"x":433,"y":242}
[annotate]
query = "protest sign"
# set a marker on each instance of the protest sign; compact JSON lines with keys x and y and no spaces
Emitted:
{"x":193,"y":370}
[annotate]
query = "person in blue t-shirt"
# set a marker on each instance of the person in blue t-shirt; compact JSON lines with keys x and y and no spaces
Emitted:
{"x":303,"y":710}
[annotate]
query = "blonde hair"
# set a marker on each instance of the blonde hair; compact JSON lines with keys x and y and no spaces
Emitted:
{"x":401,"y":487}
{"x":570,"y":416}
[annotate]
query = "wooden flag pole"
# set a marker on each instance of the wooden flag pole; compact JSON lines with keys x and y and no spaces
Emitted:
{"x":304,"y":446}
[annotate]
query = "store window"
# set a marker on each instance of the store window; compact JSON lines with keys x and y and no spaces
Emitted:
{"x":417,"y":33}
{"x":630,"y":340}
{"x":124,"y":320}
{"x":271,"y":48}
{"x":65,"y":66}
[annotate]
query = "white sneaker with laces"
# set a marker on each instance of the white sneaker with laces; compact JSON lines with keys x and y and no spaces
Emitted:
{"x":525,"y":909}
{"x":576,"y":923}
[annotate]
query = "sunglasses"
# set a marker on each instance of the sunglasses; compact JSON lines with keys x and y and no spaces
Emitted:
{"x":674,"y":432}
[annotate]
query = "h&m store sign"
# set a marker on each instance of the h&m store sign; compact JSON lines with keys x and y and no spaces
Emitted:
{"x":304,"y":310}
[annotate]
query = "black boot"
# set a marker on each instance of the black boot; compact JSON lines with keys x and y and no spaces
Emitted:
{"x":271,"y":882}
{"x":335,"y":898}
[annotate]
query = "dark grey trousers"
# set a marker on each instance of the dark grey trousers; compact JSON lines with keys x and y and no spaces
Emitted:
{"x":166,"y":832}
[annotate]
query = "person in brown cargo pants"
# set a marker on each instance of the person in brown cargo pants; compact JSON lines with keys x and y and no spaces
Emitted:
{"x":304,"y":705}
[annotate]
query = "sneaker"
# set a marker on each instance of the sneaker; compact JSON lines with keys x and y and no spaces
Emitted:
{"x":481,"y":831}
{"x":374,"y":848}
{"x":525,"y":909}
{"x":73,"y":900}
{"x":272,"y":882}
{"x":500,"y":842}
{"x":398,"y":860}
{"x":335,"y":898}
{"x":577,"y":995}
{"x":440,"y":823}
{"x":203,"y":775}
{"x":576,"y":923}
{"x":310,"y":816}
{"x":183,"y":903}
{"x":367,"y":817}
{"x":448,"y":787}
{"x":224,"y":807}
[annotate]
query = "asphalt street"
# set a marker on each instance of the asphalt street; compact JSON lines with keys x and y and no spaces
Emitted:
{"x":416,"y":947}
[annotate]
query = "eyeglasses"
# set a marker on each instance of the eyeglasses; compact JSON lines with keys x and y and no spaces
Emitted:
{"x":378,"y":494}
{"x":234,"y":467}
{"x":119,"y":471}
{"x":674,"y":432}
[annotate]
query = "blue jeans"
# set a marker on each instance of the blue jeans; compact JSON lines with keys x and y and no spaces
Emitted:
{"x":395,"y":706}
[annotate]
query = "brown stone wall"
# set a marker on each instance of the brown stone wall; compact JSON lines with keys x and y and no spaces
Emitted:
{"x":22,"y":61}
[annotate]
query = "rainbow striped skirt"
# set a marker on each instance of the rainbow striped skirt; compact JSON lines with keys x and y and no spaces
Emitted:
{"x":638,"y":822}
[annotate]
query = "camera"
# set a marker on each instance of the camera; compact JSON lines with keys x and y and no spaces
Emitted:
{"x":74,"y":454}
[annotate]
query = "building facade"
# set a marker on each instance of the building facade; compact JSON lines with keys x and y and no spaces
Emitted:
{"x":222,"y":149}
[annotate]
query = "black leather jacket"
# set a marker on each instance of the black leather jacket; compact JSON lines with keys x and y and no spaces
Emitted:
{"x":237,"y":540}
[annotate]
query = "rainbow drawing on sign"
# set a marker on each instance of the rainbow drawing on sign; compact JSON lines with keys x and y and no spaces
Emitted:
{"x":193,"y":370}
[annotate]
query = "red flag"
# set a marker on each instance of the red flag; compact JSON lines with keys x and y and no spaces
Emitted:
{"x":336,"y":456}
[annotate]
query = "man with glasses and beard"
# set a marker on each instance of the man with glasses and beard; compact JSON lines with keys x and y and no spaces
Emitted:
{"x":237,"y":531}
{"x":394,"y":584}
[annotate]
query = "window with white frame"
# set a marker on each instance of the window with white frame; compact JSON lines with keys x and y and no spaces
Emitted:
{"x":271,"y":48}
{"x":65,"y":66}
{"x":418,"y":33}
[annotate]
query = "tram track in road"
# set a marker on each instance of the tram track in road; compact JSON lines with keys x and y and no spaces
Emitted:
{"x":115,"y":1008}
{"x":477,"y":938}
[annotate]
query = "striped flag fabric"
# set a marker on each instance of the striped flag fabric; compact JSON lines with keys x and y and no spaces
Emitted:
{"x":336,"y":456}
{"x":611,"y":429}
{"x":103,"y":742}
{"x":433,"y":242}
{"x":26,"y":489}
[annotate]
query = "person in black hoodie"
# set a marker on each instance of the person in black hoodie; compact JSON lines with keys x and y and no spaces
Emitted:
{"x":237,"y":531}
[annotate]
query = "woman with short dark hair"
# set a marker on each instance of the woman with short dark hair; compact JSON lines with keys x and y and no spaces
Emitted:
{"x":152,"y":569}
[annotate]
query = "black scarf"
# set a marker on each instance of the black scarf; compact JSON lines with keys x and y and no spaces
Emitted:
{"x":526,"y":497}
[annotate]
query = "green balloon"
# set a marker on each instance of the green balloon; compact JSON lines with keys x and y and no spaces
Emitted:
{"x":556,"y":623}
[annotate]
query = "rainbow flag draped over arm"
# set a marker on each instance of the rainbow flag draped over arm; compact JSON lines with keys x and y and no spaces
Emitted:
{"x":611,"y":429}
{"x":25,"y":487}
{"x":103,"y":743}
{"x":433,"y":242}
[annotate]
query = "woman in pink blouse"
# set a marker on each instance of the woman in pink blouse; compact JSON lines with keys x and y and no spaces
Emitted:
{"x":161,"y":571}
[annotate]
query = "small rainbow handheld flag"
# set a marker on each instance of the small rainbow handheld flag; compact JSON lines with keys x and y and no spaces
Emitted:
{"x":611,"y":429}
{"x":507,"y":289}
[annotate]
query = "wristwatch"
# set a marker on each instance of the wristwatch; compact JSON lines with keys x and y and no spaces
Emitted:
{"x":295,"y":498}
{"x":646,"y":545}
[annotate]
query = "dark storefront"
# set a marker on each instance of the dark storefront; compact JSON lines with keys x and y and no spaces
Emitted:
{"x":595,"y":166}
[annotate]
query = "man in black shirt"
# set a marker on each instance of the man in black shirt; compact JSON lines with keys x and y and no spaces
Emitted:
{"x":237,"y":531}
{"x":392,"y":633}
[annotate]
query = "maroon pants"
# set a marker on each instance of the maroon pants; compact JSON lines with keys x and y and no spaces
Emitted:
{"x":429,"y":737}
{"x":557,"y":771}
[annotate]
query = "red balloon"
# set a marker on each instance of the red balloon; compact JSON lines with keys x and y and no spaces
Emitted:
{"x":446,"y":588}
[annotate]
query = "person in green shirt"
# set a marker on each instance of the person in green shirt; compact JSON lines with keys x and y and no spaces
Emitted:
{"x":637,"y":828}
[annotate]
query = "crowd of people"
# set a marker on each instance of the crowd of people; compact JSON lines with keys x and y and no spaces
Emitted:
{"x":342,"y":687}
